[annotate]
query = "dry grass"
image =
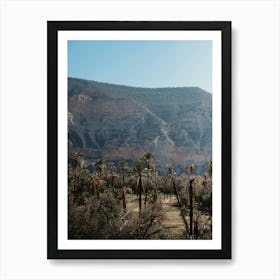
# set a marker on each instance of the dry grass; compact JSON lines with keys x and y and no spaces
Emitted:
{"x":173,"y":222}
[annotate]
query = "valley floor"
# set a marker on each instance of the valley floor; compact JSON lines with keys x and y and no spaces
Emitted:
{"x":173,"y":222}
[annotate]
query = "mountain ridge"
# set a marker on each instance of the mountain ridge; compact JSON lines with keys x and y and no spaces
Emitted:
{"x":137,"y":87}
{"x":117,"y":122}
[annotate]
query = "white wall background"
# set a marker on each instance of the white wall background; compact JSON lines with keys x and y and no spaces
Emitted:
{"x":255,"y":139}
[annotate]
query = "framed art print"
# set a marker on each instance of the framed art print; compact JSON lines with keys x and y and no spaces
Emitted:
{"x":139,"y":140}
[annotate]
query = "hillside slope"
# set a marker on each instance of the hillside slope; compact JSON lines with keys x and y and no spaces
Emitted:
{"x":116,"y":122}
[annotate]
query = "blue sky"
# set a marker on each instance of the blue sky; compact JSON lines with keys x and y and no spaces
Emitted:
{"x":143,"y":63}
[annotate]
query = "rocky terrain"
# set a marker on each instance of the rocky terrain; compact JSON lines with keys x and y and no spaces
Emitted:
{"x":116,"y":122}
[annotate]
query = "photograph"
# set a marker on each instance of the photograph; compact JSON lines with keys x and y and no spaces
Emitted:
{"x":139,"y":137}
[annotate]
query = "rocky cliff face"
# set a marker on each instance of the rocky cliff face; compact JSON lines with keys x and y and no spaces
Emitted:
{"x":122,"y":123}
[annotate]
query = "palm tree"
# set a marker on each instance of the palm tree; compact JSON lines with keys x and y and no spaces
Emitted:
{"x":76,"y":158}
{"x":192,"y":168}
{"x":148,"y":157}
{"x":99,"y":166}
{"x":210,"y":167}
{"x":155,"y":190}
{"x":191,"y":204}
{"x":123,"y":166}
{"x":192,"y":182}
{"x":138,"y":168}
{"x":111,"y":168}
{"x":170,"y":170}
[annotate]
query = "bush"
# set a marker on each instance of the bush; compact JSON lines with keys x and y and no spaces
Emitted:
{"x":104,"y":218}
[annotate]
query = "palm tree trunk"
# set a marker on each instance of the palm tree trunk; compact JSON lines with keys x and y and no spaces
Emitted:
{"x":147,"y":187}
{"x":123,"y":192}
{"x":180,"y":205}
{"x":140,"y":192}
{"x":191,"y":205}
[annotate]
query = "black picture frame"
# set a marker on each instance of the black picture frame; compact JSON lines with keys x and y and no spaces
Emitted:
{"x":53,"y":27}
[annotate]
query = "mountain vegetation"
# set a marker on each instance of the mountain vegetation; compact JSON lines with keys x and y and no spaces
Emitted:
{"x":134,"y":202}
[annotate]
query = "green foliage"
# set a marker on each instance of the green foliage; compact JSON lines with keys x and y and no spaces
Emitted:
{"x":203,"y":195}
{"x":103,"y":204}
{"x":139,"y":166}
{"x":96,"y":219}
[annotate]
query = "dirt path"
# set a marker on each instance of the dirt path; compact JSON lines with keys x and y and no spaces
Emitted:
{"x":173,"y":219}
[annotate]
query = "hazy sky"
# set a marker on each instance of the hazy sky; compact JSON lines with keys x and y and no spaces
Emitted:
{"x":143,"y":63}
